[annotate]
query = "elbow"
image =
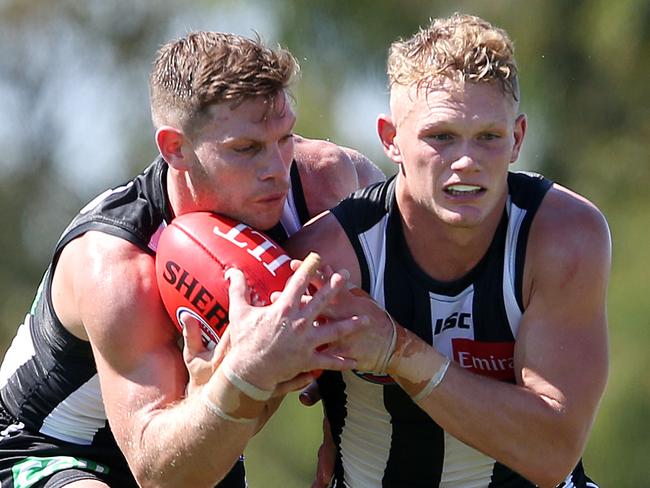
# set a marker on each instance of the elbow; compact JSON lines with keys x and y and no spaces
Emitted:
{"x":558,"y":464}
{"x":175,"y":471}
{"x":152,"y":471}
{"x":552,"y":479}
{"x":194,"y":480}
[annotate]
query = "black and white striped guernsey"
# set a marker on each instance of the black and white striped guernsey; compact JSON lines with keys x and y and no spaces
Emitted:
{"x":48,"y":379}
{"x":383,"y":438}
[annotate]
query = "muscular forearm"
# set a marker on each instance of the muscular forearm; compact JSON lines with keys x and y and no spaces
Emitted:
{"x":515,"y":425}
{"x":191,"y":443}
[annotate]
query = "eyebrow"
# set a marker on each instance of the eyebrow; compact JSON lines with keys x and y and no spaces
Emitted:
{"x":446,"y":125}
{"x":253,"y":138}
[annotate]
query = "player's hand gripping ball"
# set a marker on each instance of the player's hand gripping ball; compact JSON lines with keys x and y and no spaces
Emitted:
{"x":196,"y":250}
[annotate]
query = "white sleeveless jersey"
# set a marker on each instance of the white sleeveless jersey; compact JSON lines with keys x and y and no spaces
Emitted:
{"x":383,"y":438}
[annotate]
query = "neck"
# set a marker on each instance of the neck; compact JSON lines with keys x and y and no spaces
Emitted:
{"x":448,"y":252}
{"x":179,"y":193}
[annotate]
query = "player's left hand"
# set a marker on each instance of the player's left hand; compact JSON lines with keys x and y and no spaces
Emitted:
{"x":200,"y":361}
{"x":371,"y":340}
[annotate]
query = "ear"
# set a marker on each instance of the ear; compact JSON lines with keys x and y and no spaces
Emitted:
{"x":519,"y":133}
{"x":387,"y":132}
{"x":171,"y":143}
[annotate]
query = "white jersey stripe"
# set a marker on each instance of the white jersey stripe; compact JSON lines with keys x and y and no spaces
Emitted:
{"x":20,"y":352}
{"x":77,"y":418}
{"x":366,"y":438}
{"x":464,"y":467}
{"x":290,"y":220}
{"x":374,"y":249}
{"x":513,"y":312}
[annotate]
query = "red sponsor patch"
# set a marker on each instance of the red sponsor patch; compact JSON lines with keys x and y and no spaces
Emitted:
{"x":494,"y":359}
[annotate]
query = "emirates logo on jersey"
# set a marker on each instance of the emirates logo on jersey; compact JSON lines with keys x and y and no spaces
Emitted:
{"x":494,"y":359}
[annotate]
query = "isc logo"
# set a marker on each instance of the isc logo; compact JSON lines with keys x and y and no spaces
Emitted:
{"x":461,"y":320}
{"x":259,"y":252}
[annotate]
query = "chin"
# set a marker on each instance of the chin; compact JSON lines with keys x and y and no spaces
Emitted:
{"x":263,"y":222}
{"x":264,"y":227}
{"x":461,"y":219}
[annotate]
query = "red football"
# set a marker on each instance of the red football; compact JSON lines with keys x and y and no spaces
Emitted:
{"x":194,"y":252}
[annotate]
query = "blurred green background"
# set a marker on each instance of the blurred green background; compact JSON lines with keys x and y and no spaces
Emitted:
{"x":74,"y":120}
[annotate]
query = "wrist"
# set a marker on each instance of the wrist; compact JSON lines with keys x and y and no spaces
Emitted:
{"x":391,"y":347}
{"x":224,"y":399}
{"x":418,"y":368}
{"x":249,"y":389}
{"x":434,"y":382}
{"x":247,"y":373}
{"x":395,"y":363}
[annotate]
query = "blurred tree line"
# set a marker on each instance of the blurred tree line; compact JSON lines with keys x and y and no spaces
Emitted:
{"x":74,"y":119}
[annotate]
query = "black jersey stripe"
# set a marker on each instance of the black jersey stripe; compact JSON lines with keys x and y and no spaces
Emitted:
{"x":504,"y":477}
{"x":332,"y":387}
{"x":489,"y":310}
{"x":417,"y":445}
{"x":298,"y":194}
{"x":527,"y":195}
{"x":42,"y":393}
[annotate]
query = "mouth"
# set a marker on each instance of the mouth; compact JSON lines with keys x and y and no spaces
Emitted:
{"x":463,"y":189}
{"x":272,"y":198}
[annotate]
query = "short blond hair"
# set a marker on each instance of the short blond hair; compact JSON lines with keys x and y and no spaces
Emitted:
{"x":463,"y":48}
{"x":199,"y":70}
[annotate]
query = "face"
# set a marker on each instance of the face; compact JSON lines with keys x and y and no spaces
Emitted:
{"x":242,"y":161}
{"x":453,"y":145}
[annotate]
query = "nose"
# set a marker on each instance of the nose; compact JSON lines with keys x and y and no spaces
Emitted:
{"x":275,"y":164}
{"x":464,"y":163}
{"x":464,"y":159}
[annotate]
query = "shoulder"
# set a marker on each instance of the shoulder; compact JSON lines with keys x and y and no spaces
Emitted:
{"x":114,"y":259}
{"x":329,"y":172}
{"x":569,"y":240}
{"x":571,"y":217}
{"x":105,"y":288}
{"x":325,"y":235}
{"x":367,"y":171}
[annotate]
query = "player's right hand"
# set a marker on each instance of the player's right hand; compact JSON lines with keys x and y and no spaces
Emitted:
{"x":275,"y":343}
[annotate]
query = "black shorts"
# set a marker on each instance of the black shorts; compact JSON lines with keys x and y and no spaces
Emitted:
{"x":34,"y":460}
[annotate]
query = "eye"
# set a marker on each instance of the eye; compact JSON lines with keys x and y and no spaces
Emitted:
{"x":489,"y":136}
{"x":287,"y":138}
{"x":441,"y":137}
{"x":247,"y":148}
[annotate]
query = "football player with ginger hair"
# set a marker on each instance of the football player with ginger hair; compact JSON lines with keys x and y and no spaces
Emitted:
{"x":95,"y":391}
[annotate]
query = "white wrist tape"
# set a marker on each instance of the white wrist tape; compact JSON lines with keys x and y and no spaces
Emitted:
{"x":244,"y":386}
{"x":435,"y":380}
{"x":391,"y":346}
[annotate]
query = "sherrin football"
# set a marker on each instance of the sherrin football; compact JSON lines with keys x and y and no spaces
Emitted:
{"x":195,"y":251}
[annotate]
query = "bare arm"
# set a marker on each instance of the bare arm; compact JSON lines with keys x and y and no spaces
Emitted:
{"x":561,"y":356}
{"x":164,"y":437}
{"x":105,"y":288}
{"x":367,"y":171}
{"x":330,"y":173}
